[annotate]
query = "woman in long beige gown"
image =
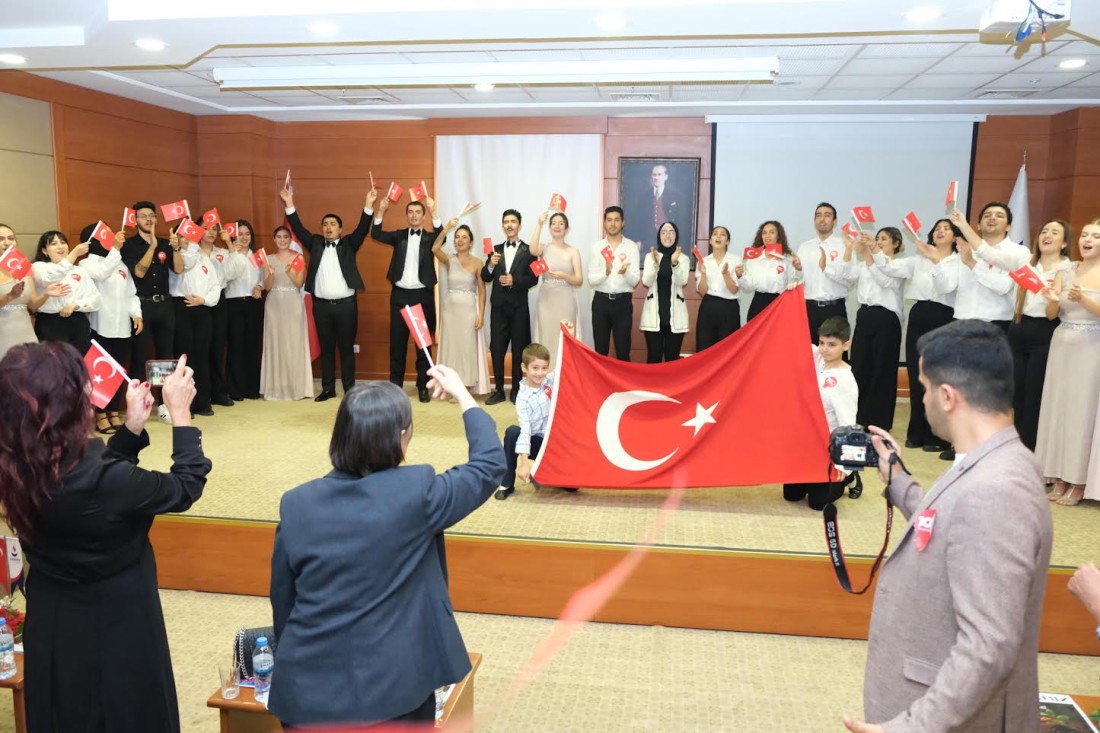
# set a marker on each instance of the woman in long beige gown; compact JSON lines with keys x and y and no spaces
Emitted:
{"x":558,"y":289}
{"x":461,"y":341}
{"x":285,"y":371}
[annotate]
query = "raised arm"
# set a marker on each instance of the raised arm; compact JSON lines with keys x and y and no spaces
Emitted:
{"x":441,"y":238}
{"x":536,"y":236}
{"x":300,"y":232}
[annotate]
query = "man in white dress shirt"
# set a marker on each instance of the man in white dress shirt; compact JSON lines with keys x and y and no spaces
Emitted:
{"x":613,"y":273}
{"x":824,"y":271}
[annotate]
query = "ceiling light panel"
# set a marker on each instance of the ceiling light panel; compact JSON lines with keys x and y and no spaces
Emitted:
{"x":466,"y":74}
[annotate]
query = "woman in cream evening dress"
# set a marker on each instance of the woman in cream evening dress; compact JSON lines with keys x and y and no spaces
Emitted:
{"x":461,"y":341}
{"x":1068,"y":425}
{"x":285,"y":371}
{"x":558,"y":288}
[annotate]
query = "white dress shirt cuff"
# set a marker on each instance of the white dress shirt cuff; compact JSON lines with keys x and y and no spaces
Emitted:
{"x":289,"y":210}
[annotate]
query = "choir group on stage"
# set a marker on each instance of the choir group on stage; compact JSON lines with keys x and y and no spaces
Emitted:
{"x":148,"y":296}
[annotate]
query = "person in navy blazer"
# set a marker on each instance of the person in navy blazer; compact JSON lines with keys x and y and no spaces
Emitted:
{"x":509,"y":271}
{"x":362,"y":614}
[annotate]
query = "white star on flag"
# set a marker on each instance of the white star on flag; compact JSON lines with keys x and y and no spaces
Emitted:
{"x":702,"y":417}
{"x":98,"y":379}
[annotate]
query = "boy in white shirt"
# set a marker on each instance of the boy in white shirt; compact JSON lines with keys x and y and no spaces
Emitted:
{"x":840,"y":397}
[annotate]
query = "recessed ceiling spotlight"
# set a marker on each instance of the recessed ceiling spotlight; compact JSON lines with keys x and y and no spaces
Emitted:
{"x":12,"y":58}
{"x":483,"y":86}
{"x":149,"y":44}
{"x":1072,"y":64}
{"x":324,"y":28}
{"x":924,"y":14}
{"x":610,"y":22}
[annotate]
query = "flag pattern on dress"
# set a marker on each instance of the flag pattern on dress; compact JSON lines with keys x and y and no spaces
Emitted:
{"x":619,"y":425}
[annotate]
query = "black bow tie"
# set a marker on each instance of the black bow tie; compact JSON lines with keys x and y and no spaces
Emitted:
{"x":415,"y":232}
{"x":511,"y":244}
{"x":329,"y":243}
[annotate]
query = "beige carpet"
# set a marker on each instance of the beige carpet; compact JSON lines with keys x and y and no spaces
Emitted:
{"x":610,"y":678}
{"x":262,"y":449}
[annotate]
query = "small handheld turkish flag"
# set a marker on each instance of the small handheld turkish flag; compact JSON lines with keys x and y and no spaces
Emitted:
{"x":105,"y":373}
{"x":394,"y":193}
{"x":103,"y":234}
{"x":850,"y":231}
{"x":607,"y":254}
{"x":540,"y":267}
{"x":230,"y":228}
{"x":190,"y":231}
{"x":419,"y":191}
{"x":775,"y":250}
{"x":211,"y":218}
{"x":952,"y":200}
{"x":912,"y":223}
{"x":863,"y":215}
{"x":487,"y":245}
{"x":557,"y":202}
{"x":1028,"y":279}
{"x":418,"y":327}
{"x":298,"y":264}
{"x":176,"y":211}
{"x":258,"y":258}
{"x":129,"y":217}
{"x":15,"y":263}
{"x":752,"y":253}
{"x":697,"y":252}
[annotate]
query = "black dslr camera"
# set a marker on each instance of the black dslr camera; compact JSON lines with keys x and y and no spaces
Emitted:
{"x":850,"y":447}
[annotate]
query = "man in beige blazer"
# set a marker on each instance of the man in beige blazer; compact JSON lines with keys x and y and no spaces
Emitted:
{"x":954,"y":632}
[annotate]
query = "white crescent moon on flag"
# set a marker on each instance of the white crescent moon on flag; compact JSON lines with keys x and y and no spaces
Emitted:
{"x":607,"y":428}
{"x":95,"y":365}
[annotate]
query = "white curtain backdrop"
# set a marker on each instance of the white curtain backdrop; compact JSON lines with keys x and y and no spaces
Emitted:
{"x":522,"y":172}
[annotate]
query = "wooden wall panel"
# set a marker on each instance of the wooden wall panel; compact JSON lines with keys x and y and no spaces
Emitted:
{"x":704,"y":589}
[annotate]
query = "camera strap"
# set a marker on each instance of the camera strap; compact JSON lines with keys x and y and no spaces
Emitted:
{"x":832,"y":536}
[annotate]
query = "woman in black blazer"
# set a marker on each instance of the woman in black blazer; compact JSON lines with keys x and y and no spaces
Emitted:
{"x":96,"y":649}
{"x":363,"y":618}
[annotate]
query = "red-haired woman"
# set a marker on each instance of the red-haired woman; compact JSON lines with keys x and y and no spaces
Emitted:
{"x":96,"y":649}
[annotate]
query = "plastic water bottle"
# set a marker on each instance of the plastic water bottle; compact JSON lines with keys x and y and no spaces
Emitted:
{"x":7,"y":651}
{"x":263,"y":663}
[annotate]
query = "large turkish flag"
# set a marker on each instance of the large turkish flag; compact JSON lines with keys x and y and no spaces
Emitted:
{"x":744,"y":412}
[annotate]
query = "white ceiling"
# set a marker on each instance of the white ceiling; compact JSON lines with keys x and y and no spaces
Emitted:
{"x":851,"y":56}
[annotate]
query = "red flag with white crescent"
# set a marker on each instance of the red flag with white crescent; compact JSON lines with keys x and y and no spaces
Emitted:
{"x":418,"y":325}
{"x":106,"y":374}
{"x":176,"y":210}
{"x":619,"y":425}
{"x":15,"y":263}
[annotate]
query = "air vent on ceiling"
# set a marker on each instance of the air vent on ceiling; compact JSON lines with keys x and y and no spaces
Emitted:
{"x":363,"y":99}
{"x":1006,"y":93}
{"x":635,"y":97}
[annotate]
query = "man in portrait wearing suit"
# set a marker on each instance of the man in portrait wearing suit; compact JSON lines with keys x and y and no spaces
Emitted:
{"x":651,"y":203}
{"x":509,"y":271}
{"x":332,"y":279}
{"x":954,"y":635}
{"x":412,"y":280}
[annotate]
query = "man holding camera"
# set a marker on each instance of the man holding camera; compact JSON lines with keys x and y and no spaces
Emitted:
{"x":954,"y":632}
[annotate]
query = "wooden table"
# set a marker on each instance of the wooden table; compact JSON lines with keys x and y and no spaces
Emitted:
{"x":15,"y":684}
{"x":245,"y":715}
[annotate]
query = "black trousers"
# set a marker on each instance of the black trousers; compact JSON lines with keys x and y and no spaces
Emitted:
{"x":120,"y":349}
{"x":245,"y":318}
{"x":509,"y":324}
{"x":158,"y":335}
{"x":760,"y":301}
{"x":718,"y":318}
{"x":219,"y":337}
{"x":612,"y":315}
{"x":511,"y":435}
{"x":818,"y":314}
{"x":924,"y":316}
{"x":1030,"y":342}
{"x":72,"y":329}
{"x":337,"y":322}
{"x":819,"y":494}
{"x":194,"y":333}
{"x":876,"y":349}
{"x":399,"y":333}
{"x":663,"y":345}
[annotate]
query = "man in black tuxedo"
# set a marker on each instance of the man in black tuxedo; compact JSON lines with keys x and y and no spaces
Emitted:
{"x":509,"y":271}
{"x":332,"y":279}
{"x":412,"y":279}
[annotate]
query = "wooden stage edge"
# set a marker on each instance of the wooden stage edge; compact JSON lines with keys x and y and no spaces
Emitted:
{"x":725,"y":590}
